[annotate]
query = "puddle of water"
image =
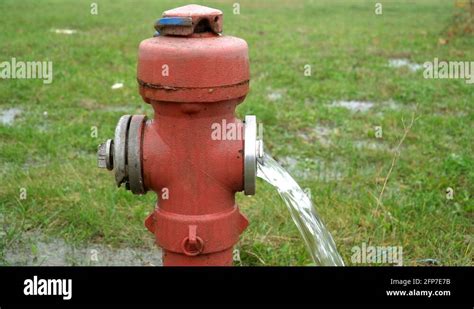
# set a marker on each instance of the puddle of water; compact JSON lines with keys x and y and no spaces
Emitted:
{"x":317,"y":238}
{"x":37,"y":250}
{"x":363,"y":106}
{"x":275,"y":95}
{"x":403,"y":62}
{"x":370,"y":145}
{"x":353,"y":106}
{"x":392,"y":104}
{"x":319,"y":133}
{"x":314,"y":169}
{"x":64,"y":31}
{"x":7,"y":116}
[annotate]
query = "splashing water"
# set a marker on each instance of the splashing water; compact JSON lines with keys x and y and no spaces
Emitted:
{"x":318,"y":240}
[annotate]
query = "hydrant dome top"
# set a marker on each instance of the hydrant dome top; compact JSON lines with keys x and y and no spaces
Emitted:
{"x":188,"y":63}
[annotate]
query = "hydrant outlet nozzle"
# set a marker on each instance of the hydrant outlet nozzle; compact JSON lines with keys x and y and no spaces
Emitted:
{"x":123,"y":154}
{"x":253,"y":153}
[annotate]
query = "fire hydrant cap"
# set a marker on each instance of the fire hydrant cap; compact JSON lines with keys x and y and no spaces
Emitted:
{"x":202,"y":66}
{"x":189,"y":19}
{"x":192,"y":10}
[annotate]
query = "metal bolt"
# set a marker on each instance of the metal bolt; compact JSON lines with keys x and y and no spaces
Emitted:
{"x":105,"y":155}
{"x":260,"y":151}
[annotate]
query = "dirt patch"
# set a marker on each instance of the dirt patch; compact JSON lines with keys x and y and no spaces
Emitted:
{"x":35,"y":249}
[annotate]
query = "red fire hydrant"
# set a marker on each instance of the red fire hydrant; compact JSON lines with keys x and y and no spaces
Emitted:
{"x":195,"y":154}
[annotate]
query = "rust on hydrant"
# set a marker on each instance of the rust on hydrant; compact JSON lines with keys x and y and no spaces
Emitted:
{"x":194,"y":78}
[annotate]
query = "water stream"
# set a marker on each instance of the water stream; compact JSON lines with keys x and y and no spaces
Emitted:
{"x":318,"y":240}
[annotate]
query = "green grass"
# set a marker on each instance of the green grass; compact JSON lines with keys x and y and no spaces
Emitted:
{"x":348,"y":46}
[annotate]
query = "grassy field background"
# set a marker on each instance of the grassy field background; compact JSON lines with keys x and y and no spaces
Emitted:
{"x":49,"y":151}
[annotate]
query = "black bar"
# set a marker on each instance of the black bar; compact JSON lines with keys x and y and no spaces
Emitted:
{"x":281,"y":285}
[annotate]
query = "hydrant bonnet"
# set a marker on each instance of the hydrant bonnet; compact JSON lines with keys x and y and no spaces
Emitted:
{"x":190,"y":61}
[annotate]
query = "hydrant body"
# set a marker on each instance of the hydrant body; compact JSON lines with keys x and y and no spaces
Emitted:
{"x":193,"y":152}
